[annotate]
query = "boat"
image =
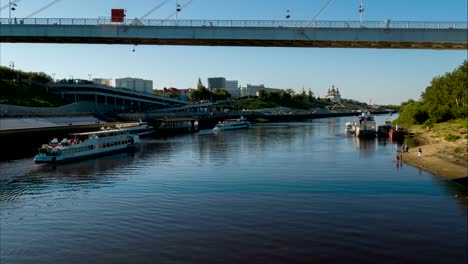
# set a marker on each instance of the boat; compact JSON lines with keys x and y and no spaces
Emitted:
{"x":350,"y":127}
{"x":365,"y":126}
{"x":229,"y":124}
{"x":86,"y":144}
{"x":383,"y":131}
{"x":139,"y":128}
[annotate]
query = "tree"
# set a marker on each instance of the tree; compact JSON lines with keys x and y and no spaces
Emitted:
{"x":311,"y":96}
{"x":444,"y":99}
{"x":262,"y":95}
{"x":221,"y":94}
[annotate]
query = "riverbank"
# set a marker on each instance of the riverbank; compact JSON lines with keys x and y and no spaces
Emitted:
{"x":444,"y":149}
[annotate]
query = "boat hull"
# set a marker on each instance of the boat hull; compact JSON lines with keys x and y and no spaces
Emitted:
{"x":230,"y":127}
{"x":366,"y":133}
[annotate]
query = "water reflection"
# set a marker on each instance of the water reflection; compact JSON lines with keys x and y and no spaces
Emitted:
{"x":265,"y":189}
{"x":365,"y":146}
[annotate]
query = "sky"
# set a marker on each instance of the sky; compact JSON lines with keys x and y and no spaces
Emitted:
{"x":380,"y":76}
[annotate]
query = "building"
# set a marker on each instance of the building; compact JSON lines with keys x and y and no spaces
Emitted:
{"x":216,"y":83}
{"x":135,"y":84}
{"x":181,"y":94}
{"x":252,"y":90}
{"x":334,"y":95}
{"x":232,"y":87}
{"x":102,"y":81}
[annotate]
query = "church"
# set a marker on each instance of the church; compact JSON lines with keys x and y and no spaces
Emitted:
{"x":334,"y":95}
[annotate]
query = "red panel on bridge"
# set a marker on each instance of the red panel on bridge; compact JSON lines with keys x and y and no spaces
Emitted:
{"x":118,"y":15}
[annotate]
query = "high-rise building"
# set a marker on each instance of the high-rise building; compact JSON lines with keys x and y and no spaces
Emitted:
{"x":216,"y":83}
{"x":232,"y":87}
{"x":135,"y":84}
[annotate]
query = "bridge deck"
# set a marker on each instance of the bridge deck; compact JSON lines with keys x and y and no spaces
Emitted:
{"x":342,"y":34}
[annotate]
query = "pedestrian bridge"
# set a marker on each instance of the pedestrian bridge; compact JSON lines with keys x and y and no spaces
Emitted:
{"x":256,"y":33}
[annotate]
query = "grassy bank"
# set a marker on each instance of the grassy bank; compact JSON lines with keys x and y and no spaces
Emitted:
{"x":19,"y":93}
{"x":444,"y":148}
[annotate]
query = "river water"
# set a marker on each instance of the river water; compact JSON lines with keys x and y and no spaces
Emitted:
{"x":273,"y":193}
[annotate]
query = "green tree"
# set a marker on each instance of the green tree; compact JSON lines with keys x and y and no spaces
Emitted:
{"x":444,"y":99}
{"x":310,"y":96}
{"x":262,"y":95}
{"x":221,"y":94}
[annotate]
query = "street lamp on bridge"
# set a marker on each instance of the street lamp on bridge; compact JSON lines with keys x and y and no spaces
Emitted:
{"x":11,"y":7}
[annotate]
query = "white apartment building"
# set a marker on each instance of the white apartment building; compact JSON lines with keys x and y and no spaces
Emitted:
{"x":135,"y":84}
{"x":252,"y":90}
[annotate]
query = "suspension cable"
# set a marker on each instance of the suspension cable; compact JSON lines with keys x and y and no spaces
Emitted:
{"x":321,"y":11}
{"x":43,"y":8}
{"x":154,"y":9}
{"x":8,"y":4}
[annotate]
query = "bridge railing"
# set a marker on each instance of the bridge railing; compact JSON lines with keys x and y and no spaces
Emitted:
{"x":386,"y":24}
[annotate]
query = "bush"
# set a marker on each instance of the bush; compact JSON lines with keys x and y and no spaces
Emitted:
{"x":451,"y":137}
{"x":457,"y":150}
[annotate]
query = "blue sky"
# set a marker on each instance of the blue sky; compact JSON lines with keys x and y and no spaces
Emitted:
{"x":383,"y":76}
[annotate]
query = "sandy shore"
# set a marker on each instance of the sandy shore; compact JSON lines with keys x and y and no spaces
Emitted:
{"x":432,"y":162}
{"x":438,"y":155}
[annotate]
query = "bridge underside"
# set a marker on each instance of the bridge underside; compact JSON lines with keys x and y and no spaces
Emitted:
{"x":239,"y":42}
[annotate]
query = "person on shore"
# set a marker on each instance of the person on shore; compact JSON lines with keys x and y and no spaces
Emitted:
{"x":419,"y":152}
{"x":406,"y":148}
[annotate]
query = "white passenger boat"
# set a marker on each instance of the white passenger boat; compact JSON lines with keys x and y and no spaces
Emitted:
{"x":350,"y":127}
{"x":83,"y":145}
{"x":229,"y":124}
{"x":366,"y":125}
{"x":139,"y":128}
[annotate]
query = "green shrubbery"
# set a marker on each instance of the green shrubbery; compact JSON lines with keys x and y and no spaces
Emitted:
{"x":457,"y":150}
{"x":20,"y":93}
{"x":10,"y":74}
{"x":445,"y":99}
{"x":451,"y":137}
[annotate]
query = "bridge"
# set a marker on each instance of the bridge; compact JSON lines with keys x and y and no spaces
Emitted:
{"x":115,"y":99}
{"x":256,"y":33}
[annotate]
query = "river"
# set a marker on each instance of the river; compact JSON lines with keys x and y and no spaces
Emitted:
{"x":273,"y":193}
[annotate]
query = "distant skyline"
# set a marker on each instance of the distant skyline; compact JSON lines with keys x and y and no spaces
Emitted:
{"x":385,"y":76}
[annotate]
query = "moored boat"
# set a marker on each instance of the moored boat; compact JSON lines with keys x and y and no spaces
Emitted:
{"x":350,"y":127}
{"x":230,"y":124}
{"x":87,"y":144}
{"x":139,"y":128}
{"x":382,"y":131}
{"x":366,"y":125}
